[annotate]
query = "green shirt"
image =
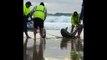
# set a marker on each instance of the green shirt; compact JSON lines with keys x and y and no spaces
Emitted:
{"x":40,"y":12}
{"x":26,"y":10}
{"x":75,"y":20}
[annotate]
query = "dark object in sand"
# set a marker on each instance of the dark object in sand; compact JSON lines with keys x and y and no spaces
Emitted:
{"x":66,"y":34}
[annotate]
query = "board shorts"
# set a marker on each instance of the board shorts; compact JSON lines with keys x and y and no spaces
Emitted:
{"x":25,"y":20}
{"x":38,"y":23}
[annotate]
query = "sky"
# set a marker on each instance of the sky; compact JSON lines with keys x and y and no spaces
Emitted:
{"x":63,"y":6}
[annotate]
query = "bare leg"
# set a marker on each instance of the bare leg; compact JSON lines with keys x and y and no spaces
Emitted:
{"x":41,"y":34}
{"x":35,"y":33}
{"x":72,"y":45}
{"x":72,"y":28}
{"x":79,"y":30}
{"x":27,"y":35}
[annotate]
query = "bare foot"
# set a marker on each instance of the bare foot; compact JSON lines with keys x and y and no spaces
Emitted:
{"x":28,"y":37}
{"x":78,"y":36}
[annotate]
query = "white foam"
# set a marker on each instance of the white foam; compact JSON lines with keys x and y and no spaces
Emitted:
{"x":58,"y":19}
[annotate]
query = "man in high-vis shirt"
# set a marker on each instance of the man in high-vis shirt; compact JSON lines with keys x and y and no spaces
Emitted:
{"x":75,"y":21}
{"x":39,"y":15}
{"x":26,"y":14}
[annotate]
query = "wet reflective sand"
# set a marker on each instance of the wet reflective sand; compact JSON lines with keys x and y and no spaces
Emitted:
{"x":52,"y":49}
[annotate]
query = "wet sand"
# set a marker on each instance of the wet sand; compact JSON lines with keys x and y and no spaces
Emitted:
{"x":50,"y":51}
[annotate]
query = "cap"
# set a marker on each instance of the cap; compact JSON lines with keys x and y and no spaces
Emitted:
{"x":42,"y":3}
{"x":29,"y":3}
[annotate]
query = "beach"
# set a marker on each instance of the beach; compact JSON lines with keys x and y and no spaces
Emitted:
{"x":52,"y":49}
{"x":55,"y":48}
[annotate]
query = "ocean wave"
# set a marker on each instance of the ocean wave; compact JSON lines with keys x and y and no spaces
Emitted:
{"x":58,"y":19}
{"x":54,"y":23}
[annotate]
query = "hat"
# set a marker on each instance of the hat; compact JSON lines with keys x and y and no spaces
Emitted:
{"x":42,"y":3}
{"x":29,"y":3}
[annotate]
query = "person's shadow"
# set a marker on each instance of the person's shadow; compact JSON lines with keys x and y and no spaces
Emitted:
{"x":64,"y":42}
{"x":38,"y":52}
{"x":25,"y":55}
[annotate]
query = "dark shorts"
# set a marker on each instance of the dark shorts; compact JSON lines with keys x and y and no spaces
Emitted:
{"x":25,"y":24}
{"x":38,"y":23}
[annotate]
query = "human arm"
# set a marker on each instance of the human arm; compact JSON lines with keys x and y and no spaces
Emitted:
{"x":32,"y":12}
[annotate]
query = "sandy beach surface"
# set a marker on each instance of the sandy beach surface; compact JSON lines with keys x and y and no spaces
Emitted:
{"x":52,"y":49}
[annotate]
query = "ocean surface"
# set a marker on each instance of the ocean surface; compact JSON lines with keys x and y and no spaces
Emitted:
{"x":54,"y":23}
